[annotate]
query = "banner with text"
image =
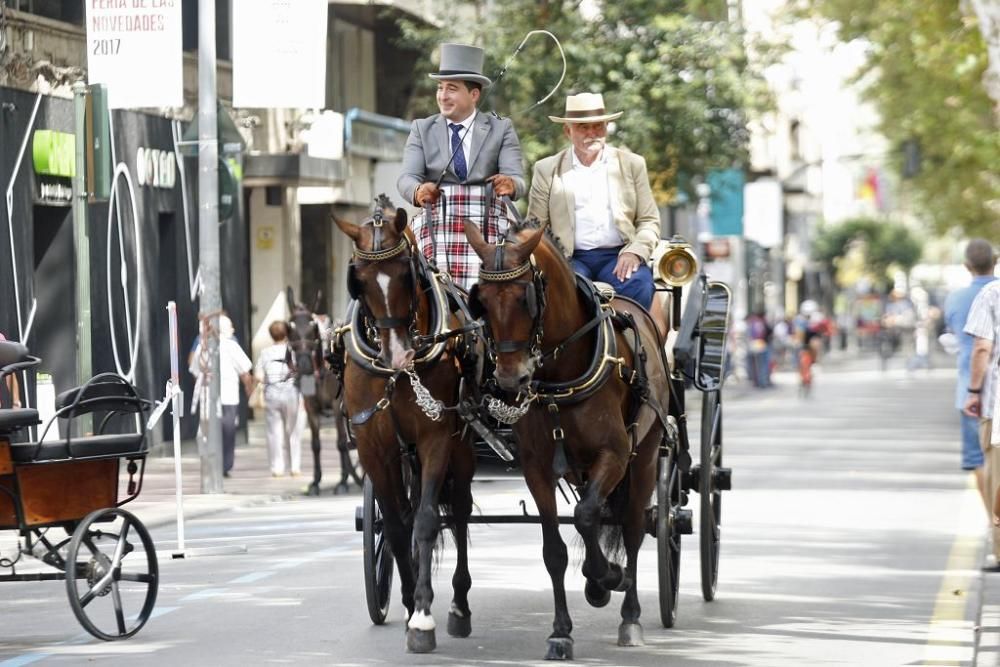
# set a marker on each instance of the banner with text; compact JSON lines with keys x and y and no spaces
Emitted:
{"x":134,"y":47}
{"x":279,"y":53}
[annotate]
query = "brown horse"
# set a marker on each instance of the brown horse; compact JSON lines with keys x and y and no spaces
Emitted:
{"x":388,"y":371}
{"x":593,"y":380}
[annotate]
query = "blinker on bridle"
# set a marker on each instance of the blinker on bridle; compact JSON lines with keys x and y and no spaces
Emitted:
{"x":536,"y":283}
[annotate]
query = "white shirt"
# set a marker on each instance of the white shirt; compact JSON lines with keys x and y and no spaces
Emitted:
{"x":983,"y":322}
{"x":233,"y":362}
{"x":595,"y":227}
{"x":466,"y":134}
{"x":272,"y":370}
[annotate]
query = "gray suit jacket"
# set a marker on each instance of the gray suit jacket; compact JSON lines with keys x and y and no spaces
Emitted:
{"x":495,"y":150}
{"x":632,"y":205}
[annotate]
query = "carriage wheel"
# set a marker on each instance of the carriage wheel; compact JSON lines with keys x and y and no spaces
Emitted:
{"x":668,"y":536}
{"x":710,"y":516}
{"x":377,"y":558}
{"x":111,"y":574}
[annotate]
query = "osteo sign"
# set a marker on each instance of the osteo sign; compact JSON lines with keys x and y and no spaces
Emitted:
{"x":155,"y":168}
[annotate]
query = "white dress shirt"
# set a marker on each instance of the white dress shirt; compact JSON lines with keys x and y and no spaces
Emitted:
{"x":595,"y":227}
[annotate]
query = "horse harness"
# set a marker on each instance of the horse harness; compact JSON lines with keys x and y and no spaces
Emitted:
{"x":359,"y":339}
{"x":604,"y":322}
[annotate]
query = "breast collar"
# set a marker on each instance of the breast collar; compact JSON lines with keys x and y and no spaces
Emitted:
{"x":364,"y":353}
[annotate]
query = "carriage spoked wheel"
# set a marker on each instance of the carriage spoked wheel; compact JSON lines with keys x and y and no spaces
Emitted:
{"x":112,"y":574}
{"x":377,"y":557}
{"x":669,"y":517}
{"x":710,"y":487}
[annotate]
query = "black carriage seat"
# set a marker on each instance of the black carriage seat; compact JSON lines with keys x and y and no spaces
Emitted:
{"x":84,"y":447}
{"x":105,"y":393}
{"x":12,"y":420}
{"x":12,"y":353}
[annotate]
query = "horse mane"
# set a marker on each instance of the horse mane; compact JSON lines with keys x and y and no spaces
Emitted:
{"x":556,"y":248}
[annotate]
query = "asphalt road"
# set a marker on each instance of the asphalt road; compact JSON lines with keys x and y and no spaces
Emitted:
{"x":850,"y":538}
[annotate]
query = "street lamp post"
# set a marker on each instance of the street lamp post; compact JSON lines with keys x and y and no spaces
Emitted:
{"x":210,"y":439}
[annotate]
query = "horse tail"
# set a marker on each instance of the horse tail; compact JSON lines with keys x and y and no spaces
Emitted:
{"x":612,"y":531}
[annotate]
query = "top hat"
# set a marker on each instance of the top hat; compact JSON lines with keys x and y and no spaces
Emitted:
{"x":462,"y":62}
{"x":585,"y":108}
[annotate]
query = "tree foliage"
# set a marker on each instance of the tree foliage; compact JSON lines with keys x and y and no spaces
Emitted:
{"x":925,"y":76}
{"x":677,"y":69}
{"x":885,"y":245}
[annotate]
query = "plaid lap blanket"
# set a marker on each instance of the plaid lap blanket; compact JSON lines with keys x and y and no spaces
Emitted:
{"x":443,"y":242}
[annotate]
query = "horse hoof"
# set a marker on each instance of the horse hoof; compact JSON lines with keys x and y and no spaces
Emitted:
{"x":459,"y":626}
{"x":420,"y":641}
{"x":630,"y":634}
{"x":560,"y":648}
{"x":596,"y":595}
{"x":617,"y":575}
{"x":313,"y":489}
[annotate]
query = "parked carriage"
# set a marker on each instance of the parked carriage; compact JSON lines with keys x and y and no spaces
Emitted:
{"x":74,"y":485}
{"x":700,"y":323}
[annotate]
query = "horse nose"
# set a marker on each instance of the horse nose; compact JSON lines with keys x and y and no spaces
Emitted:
{"x":402,"y":358}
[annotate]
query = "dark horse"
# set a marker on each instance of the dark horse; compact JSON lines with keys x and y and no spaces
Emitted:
{"x":320,"y":387}
{"x":593,"y":380}
{"x":391,"y":365}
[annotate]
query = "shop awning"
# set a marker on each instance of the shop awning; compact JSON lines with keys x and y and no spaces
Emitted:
{"x":292,"y":170}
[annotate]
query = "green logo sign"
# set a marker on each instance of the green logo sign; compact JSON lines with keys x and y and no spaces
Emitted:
{"x":54,"y":153}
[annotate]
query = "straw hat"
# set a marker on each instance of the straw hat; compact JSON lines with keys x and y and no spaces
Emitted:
{"x":461,"y":62}
{"x":585,"y":108}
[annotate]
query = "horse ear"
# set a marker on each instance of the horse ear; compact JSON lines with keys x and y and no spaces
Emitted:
{"x":349,"y":228}
{"x":290,"y":299}
{"x":475,"y":305}
{"x":528,"y":243}
{"x":476,"y":240}
{"x":353,"y":284}
{"x":401,"y":220}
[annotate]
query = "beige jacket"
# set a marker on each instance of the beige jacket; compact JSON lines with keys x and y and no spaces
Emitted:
{"x":635,"y":212}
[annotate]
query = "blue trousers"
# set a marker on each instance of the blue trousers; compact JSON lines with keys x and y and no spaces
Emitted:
{"x":972,"y":453}
{"x":599,"y":264}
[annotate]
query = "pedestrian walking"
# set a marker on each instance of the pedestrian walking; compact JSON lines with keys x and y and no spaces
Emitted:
{"x":599,"y":204}
{"x":759,"y":345}
{"x":980,"y":261}
{"x":283,"y":413}
{"x":234,"y":367}
{"x":981,"y":393}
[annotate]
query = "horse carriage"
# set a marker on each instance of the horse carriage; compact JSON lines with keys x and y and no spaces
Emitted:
{"x":74,"y":484}
{"x":518,"y":364}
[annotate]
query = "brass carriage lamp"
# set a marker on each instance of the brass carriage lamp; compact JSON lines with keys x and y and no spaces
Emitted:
{"x":678,"y":265}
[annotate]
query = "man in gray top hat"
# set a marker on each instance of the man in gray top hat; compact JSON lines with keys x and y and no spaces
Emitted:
{"x":485,"y":148}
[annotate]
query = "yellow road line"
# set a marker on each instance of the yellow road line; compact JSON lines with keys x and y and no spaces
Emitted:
{"x":950,"y":635}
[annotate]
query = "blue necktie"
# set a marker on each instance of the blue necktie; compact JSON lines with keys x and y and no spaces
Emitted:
{"x":456,"y":148}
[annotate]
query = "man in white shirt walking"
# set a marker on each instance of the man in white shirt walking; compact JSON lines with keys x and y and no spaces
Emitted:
{"x":981,"y":394}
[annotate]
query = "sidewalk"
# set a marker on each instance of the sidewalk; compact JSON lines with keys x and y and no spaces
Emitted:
{"x":250,"y":482}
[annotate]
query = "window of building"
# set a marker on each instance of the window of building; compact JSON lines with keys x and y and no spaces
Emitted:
{"x":60,"y":10}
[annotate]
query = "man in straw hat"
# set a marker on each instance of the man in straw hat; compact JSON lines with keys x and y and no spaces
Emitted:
{"x":490,"y":151}
{"x":598,"y":201}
